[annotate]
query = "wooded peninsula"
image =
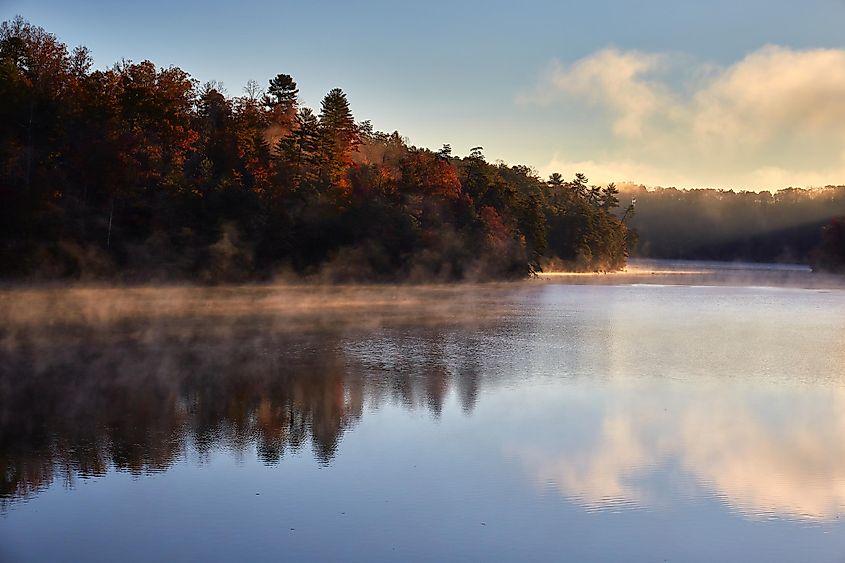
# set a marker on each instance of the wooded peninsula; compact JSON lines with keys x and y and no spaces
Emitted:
{"x":142,"y":173}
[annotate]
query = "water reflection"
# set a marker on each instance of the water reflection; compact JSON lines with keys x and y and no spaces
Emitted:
{"x":763,"y":462}
{"x":93,"y":380}
{"x":614,"y":398}
{"x":734,"y":394}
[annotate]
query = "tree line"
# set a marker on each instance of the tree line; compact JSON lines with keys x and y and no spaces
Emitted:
{"x":791,"y":225}
{"x":141,"y":172}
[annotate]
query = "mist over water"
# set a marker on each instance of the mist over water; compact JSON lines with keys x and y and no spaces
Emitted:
{"x":583,"y":417}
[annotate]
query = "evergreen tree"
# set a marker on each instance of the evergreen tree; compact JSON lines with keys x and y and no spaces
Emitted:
{"x":298,"y":152}
{"x":608,"y":197}
{"x":338,"y":135}
{"x":283,"y":91}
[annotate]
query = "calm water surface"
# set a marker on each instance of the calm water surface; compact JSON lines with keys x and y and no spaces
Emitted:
{"x":568,"y":419}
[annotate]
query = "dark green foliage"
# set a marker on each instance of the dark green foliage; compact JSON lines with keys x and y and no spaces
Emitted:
{"x":283,"y":91}
{"x":140,"y":172}
{"x":583,"y":230}
{"x":830,"y":255}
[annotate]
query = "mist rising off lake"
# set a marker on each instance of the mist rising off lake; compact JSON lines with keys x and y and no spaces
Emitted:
{"x":584,"y":418}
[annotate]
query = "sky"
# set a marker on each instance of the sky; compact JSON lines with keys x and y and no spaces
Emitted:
{"x":741,"y":94}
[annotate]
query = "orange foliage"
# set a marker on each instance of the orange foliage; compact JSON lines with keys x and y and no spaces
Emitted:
{"x":497,"y":234}
{"x":431,"y":175}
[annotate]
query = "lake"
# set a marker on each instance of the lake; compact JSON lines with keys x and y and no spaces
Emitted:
{"x":676,"y":412}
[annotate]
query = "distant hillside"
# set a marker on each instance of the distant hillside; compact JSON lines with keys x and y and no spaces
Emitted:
{"x":784,"y":226}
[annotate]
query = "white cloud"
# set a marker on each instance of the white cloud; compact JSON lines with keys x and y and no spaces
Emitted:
{"x":775,"y":92}
{"x":772,"y":119}
{"x":613,"y":79}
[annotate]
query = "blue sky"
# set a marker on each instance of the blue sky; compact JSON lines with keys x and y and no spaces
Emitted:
{"x":658,"y":92}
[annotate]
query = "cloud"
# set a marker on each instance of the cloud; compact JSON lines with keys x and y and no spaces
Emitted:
{"x":772,"y":92}
{"x":610,"y":78}
{"x":769,"y":120}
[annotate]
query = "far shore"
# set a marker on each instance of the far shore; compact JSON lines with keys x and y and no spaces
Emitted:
{"x":691,"y":272}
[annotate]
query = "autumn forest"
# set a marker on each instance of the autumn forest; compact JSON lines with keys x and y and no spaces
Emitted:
{"x":142,"y":173}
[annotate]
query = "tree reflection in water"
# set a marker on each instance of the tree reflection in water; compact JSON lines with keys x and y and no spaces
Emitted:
{"x":87,"y":388}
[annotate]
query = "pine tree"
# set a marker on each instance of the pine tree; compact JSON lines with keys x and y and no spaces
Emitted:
{"x":283,"y":91}
{"x":338,"y":135}
{"x":297,"y":152}
{"x":608,"y":197}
